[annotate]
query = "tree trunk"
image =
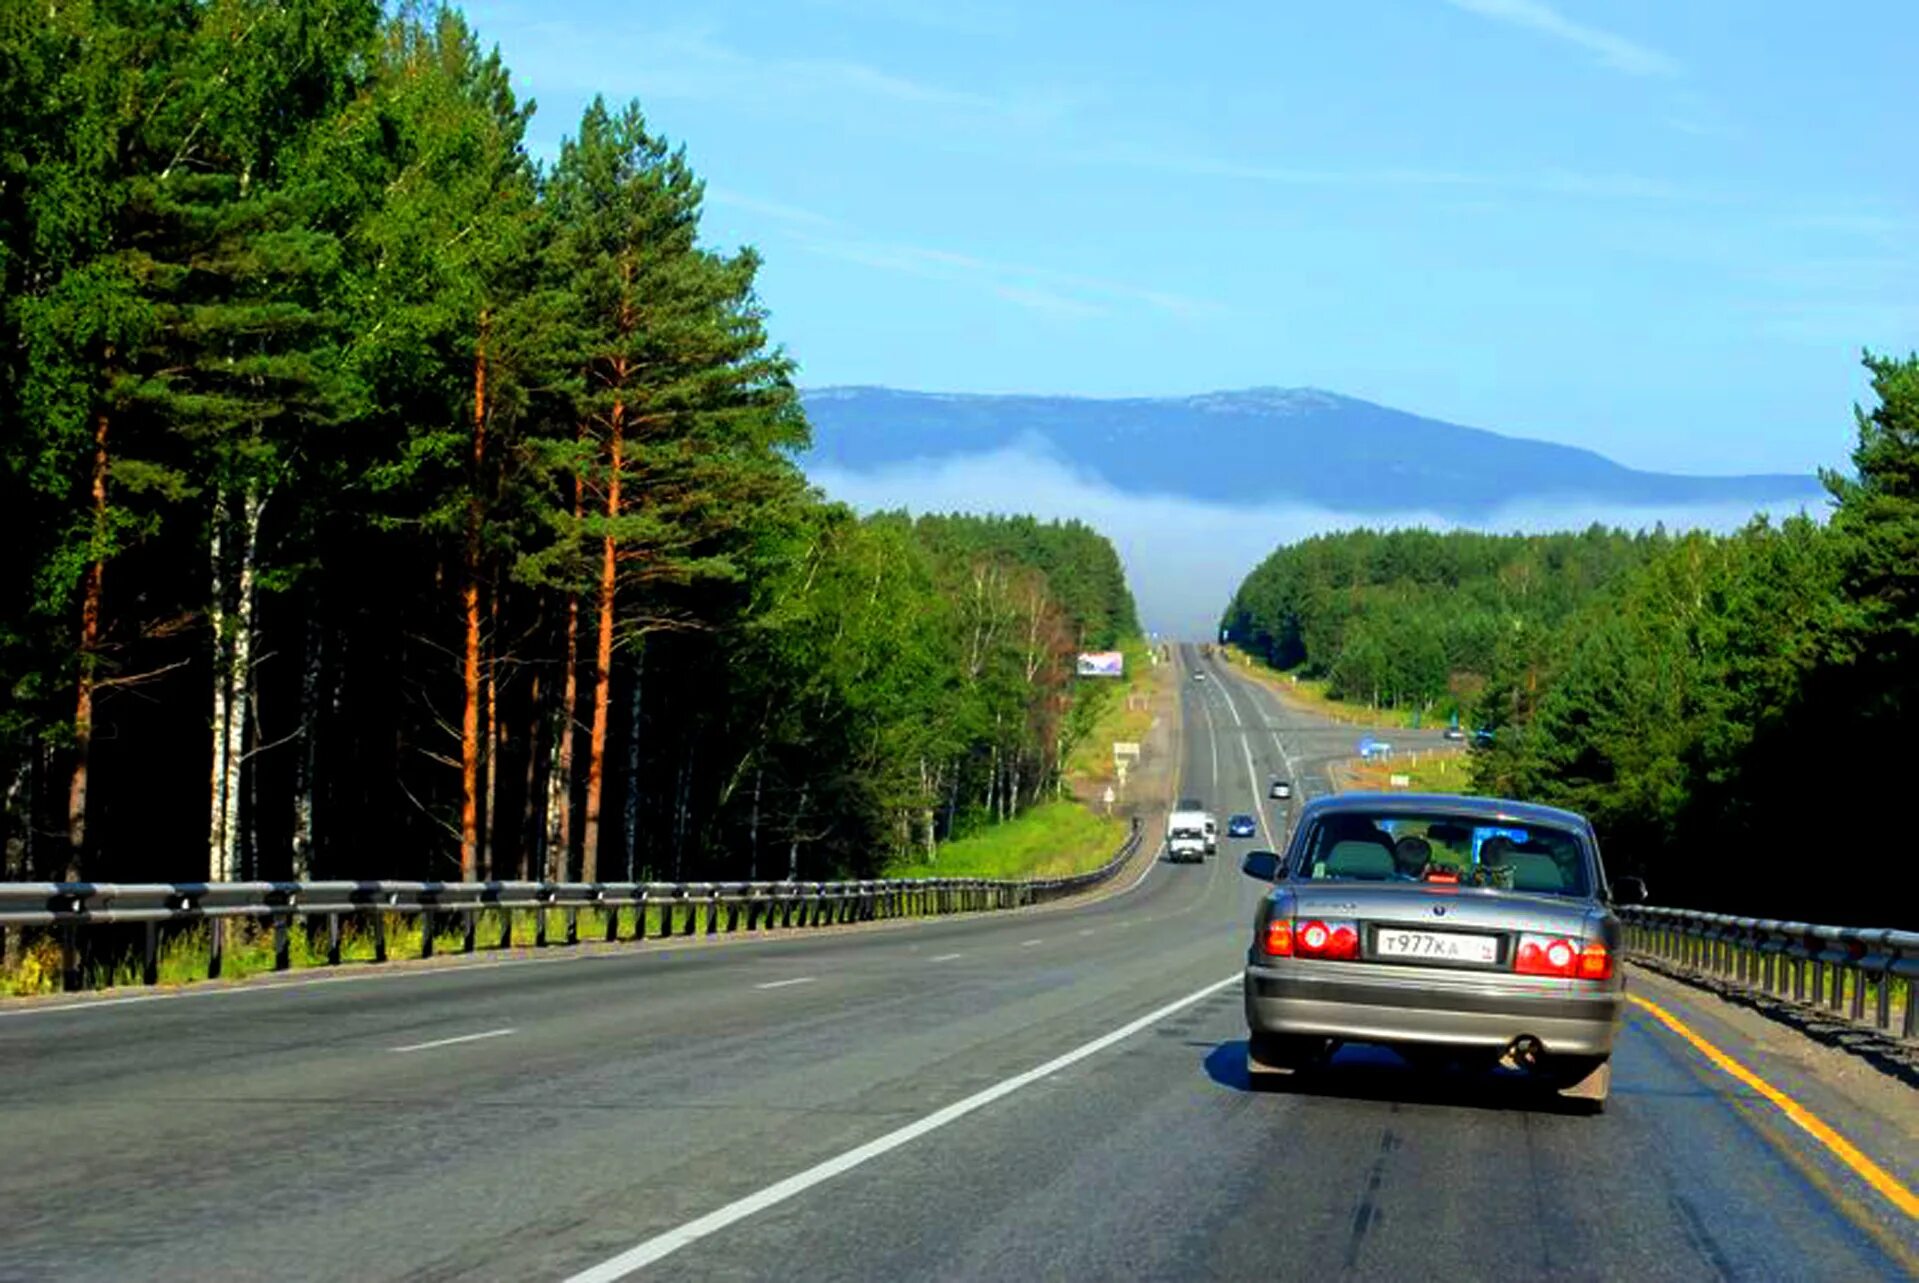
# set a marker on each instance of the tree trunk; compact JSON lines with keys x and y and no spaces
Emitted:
{"x":222,"y":689}
{"x":680,"y":811}
{"x":533,"y":823}
{"x":494,"y":741}
{"x":308,"y":758}
{"x":559,"y":794}
{"x":631,"y":803}
{"x":793,"y":846}
{"x":91,"y":589}
{"x":240,"y":677}
{"x":470,"y":602}
{"x":603,"y":656}
{"x":753,"y":829}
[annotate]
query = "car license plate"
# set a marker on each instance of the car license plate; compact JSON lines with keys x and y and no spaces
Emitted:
{"x":1436,"y":946}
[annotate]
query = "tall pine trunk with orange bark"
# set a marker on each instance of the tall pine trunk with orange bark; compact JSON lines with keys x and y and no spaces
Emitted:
{"x":91,"y":590}
{"x":470,"y":750}
{"x":603,"y":654}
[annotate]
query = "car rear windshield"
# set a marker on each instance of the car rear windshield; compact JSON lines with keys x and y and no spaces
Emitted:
{"x":1358,"y":846}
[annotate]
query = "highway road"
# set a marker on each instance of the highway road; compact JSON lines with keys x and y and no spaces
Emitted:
{"x":1057,"y":1093}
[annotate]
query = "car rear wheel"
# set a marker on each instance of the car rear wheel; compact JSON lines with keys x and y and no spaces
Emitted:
{"x":1586,"y":1080}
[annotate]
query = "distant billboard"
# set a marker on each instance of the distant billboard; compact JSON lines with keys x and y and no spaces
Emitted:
{"x":1102,"y":663}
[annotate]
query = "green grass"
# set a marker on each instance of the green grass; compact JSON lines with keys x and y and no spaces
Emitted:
{"x":1310,"y":693}
{"x":248,"y":951}
{"x":1092,"y":759}
{"x":1436,"y":772}
{"x":1051,"y":840}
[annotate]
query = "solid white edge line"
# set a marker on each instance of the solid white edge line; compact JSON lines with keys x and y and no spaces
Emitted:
{"x":781,"y":984}
{"x":662,"y":1245}
{"x":946,"y":957}
{"x":448,"y":1042}
{"x":1027,"y":944}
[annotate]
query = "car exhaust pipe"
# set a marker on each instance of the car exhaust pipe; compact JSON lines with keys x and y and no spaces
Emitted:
{"x":1526,"y":1053}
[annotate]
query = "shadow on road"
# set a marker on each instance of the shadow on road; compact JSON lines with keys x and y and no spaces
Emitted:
{"x":1374,"y":1073}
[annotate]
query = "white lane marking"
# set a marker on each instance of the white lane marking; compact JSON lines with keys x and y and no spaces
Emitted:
{"x":1212,"y":739}
{"x":1252,"y":775}
{"x":448,"y":1042}
{"x":1027,"y":944}
{"x":1086,"y":931}
{"x":662,"y":1245}
{"x":945,"y":957}
{"x":781,"y":984}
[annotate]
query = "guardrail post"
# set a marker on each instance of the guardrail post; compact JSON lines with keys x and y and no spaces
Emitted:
{"x":427,"y":916}
{"x":379,"y":934}
{"x":470,"y":929}
{"x":216,"y":940}
{"x":282,"y":951}
{"x":333,"y":939}
{"x":572,"y":924}
{"x":713,"y":911}
{"x":70,"y":957}
{"x":150,"y":955}
{"x":506,"y":926}
{"x":539,"y":918}
{"x":613,"y":924}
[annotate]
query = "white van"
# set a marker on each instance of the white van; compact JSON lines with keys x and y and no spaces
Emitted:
{"x":1186,"y":837}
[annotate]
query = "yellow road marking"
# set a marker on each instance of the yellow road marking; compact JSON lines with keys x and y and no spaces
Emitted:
{"x":1842,"y":1149}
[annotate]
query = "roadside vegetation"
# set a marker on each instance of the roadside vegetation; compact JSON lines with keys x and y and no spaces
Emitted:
{"x":1728,"y":709}
{"x":1313,"y":695}
{"x":381,"y":502}
{"x":1050,"y":840}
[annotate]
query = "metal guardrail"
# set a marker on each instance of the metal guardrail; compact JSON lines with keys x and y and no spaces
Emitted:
{"x":1837,"y":969}
{"x":685,"y":908}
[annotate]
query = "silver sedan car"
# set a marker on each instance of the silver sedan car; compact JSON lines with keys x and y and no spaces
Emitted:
{"x":1447,"y":928}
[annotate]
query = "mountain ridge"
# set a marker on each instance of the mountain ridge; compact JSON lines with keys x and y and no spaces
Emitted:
{"x":1359,"y":456}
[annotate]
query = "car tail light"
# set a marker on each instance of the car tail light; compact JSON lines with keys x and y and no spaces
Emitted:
{"x":1595,"y":961}
{"x":1317,"y":939}
{"x":1279,"y":938}
{"x":1547,"y":956}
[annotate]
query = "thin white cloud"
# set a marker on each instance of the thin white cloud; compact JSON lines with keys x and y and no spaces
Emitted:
{"x":1042,"y":289}
{"x":1609,"y":48}
{"x":1544,"y":182}
{"x":778,"y":211}
{"x":691,"y":64}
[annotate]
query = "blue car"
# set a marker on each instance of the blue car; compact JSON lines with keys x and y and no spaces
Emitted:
{"x":1242,"y":826}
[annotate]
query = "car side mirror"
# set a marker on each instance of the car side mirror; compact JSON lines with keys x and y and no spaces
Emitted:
{"x":1629,"y":890}
{"x":1263,"y":865}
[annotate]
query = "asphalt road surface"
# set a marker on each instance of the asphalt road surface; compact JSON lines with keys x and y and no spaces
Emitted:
{"x":1056,"y":1093}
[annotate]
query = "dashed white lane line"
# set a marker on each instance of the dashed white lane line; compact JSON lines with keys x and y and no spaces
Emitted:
{"x":448,"y":1042}
{"x":1027,"y":944}
{"x":945,"y":957}
{"x":1086,"y":931}
{"x":781,"y":984}
{"x":662,"y":1245}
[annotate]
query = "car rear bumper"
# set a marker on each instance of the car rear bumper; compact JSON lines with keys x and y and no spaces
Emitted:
{"x":1363,"y":1002}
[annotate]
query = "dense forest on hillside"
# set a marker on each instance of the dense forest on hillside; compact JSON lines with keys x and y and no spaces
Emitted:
{"x":380,"y":502}
{"x":1733,"y":712}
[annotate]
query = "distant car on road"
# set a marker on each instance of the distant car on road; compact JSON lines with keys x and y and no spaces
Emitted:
{"x":1281,"y":789}
{"x":1455,"y":734}
{"x":1198,"y":676}
{"x":1241,"y":826}
{"x":1471,"y":930}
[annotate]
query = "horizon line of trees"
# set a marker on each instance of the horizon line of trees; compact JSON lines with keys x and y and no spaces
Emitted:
{"x":1733,"y":712}
{"x":379,"y":501}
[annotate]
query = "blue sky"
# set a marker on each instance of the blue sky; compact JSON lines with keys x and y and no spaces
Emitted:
{"x":1662,"y":229}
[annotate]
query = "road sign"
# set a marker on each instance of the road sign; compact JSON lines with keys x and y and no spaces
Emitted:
{"x":1400,"y":781}
{"x":1124,"y":749}
{"x":1108,"y":797}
